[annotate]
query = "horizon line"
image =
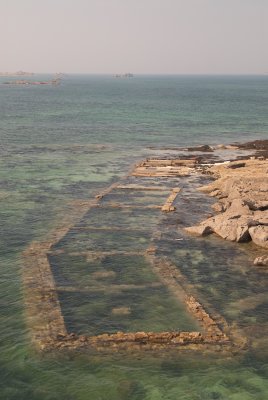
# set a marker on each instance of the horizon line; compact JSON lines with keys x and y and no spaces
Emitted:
{"x":154,"y":73}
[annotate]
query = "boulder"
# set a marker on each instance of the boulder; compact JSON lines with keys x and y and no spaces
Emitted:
{"x":238,"y":208}
{"x":259,"y":235}
{"x":230,"y":228}
{"x":235,"y":224}
{"x":200,"y":230}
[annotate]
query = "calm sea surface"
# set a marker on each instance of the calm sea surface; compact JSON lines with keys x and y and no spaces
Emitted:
{"x":65,"y":143}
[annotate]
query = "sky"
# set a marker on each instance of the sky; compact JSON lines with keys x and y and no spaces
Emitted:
{"x":138,"y":36}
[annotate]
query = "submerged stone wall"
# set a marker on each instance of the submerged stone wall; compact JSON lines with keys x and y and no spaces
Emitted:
{"x":44,"y":315}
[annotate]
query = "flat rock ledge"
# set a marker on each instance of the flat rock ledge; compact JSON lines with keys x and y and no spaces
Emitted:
{"x":242,"y":207}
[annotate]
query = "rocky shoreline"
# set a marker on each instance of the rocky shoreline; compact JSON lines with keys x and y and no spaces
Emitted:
{"x":241,"y":188}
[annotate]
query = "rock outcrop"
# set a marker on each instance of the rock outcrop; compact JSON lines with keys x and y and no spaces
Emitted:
{"x":259,"y":235}
{"x":242,"y":192}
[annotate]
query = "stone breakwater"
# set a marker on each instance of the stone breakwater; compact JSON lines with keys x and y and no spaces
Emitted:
{"x":241,"y":188}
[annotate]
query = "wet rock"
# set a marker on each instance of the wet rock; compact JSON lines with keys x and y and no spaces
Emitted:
{"x":200,"y":230}
{"x":259,"y":235}
{"x":228,"y":227}
{"x":261,"y":261}
{"x":231,"y":228}
{"x":203,"y":148}
{"x":261,"y":147}
{"x":256,"y":144}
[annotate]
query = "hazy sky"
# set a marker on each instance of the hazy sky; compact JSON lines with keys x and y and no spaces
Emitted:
{"x":139,"y":36}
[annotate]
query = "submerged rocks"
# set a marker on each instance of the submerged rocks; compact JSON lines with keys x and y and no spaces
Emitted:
{"x":203,"y":148}
{"x":242,"y":190}
{"x":261,"y":261}
{"x":121,"y":311}
{"x":168,"y":206}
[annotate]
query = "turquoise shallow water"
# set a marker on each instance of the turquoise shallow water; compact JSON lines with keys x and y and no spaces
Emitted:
{"x":60,"y":144}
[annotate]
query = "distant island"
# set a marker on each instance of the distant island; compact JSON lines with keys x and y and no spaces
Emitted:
{"x":23,"y":82}
{"x":17,"y":73}
{"x":55,"y":81}
{"x":127,"y":75}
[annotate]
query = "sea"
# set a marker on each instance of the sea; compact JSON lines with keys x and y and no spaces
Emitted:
{"x":66,"y":143}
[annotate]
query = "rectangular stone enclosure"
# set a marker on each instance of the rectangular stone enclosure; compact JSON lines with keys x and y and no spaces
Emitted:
{"x":100,"y":282}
